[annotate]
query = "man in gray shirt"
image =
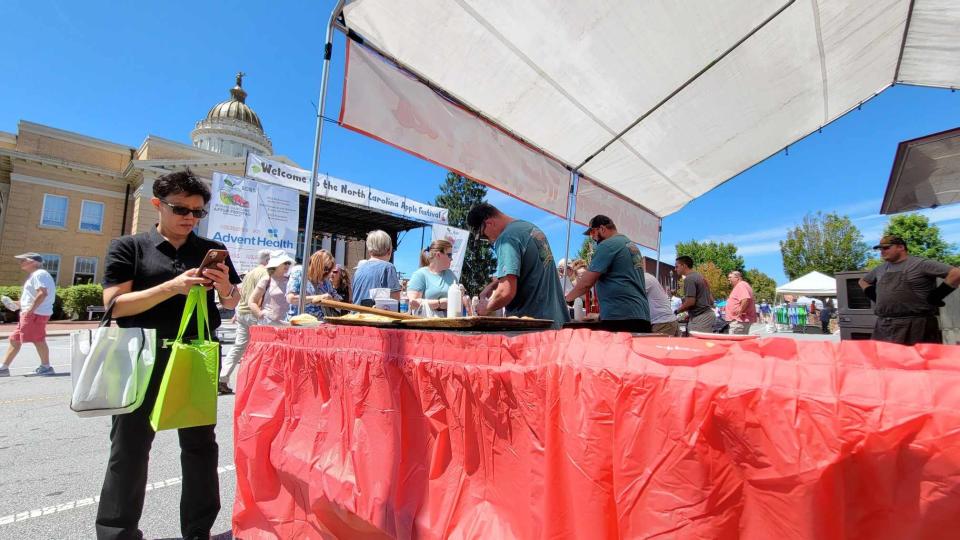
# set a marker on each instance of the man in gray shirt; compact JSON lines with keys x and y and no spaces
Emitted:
{"x":697,"y":299}
{"x":907,"y":297}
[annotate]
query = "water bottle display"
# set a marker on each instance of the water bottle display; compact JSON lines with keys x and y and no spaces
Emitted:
{"x":454,"y":301}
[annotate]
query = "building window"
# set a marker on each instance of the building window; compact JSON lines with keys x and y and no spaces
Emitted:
{"x":91,"y":216}
{"x":51,"y":263}
{"x":84,"y":270}
{"x":54,"y":213}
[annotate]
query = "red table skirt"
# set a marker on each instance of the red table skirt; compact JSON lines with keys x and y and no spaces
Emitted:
{"x":353,"y":432}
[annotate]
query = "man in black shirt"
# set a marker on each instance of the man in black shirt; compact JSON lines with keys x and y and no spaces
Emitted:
{"x":147,"y":276}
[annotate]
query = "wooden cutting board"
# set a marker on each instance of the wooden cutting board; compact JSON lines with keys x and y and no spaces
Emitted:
{"x":479,"y":323}
{"x":360,"y":322}
{"x":362,"y":309}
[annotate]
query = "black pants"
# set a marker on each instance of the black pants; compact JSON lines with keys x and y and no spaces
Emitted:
{"x":124,"y":487}
{"x":908,"y":330}
{"x":825,"y":326}
{"x":636,"y":326}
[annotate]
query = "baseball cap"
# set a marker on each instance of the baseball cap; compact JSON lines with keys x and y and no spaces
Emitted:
{"x":598,"y":220}
{"x":890,"y":240}
{"x":29,"y":255}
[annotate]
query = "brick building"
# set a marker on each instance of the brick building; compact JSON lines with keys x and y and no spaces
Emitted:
{"x":66,"y":195}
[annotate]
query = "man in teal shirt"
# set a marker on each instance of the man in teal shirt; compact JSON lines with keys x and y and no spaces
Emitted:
{"x":526,"y":281}
{"x":617,"y":270}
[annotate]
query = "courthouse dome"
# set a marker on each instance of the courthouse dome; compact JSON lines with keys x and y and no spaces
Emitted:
{"x":231,"y":127}
{"x":235,"y":108}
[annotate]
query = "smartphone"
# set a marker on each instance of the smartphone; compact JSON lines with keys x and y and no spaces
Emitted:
{"x":211,"y":259}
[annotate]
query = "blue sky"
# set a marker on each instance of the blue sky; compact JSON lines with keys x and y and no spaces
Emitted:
{"x":122,"y":70}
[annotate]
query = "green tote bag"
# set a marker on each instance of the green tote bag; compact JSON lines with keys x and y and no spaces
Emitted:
{"x":188,"y":391}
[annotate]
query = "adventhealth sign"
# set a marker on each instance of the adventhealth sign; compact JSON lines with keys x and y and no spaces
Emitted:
{"x":342,"y":190}
{"x":248,"y":216}
{"x":255,"y":241}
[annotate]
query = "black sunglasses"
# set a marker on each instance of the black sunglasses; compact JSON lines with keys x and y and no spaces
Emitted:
{"x":184,"y":211}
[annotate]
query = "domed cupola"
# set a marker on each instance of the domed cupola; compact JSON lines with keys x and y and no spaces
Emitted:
{"x":232,"y":128}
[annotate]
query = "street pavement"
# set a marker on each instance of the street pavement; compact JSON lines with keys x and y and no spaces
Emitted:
{"x":52,"y":462}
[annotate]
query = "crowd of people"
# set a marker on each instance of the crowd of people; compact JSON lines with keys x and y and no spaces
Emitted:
{"x":148,"y":275}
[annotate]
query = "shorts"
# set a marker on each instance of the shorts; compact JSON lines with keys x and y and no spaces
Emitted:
{"x":739,"y":327}
{"x":31,"y":329}
{"x":671,"y":328}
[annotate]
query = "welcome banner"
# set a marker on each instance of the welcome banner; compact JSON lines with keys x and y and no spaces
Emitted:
{"x":248,"y":216}
{"x":342,"y":190}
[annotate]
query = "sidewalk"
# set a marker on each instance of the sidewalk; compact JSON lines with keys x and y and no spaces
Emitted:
{"x":55,"y":328}
{"x":227,"y":330}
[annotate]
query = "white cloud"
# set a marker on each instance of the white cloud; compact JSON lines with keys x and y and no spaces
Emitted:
{"x":769,"y":233}
{"x":943,"y":213}
{"x":759,"y":249}
{"x":853,"y":209}
{"x":943,"y":217}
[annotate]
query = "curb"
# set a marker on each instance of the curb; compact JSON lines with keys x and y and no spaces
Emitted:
{"x":54,"y":333}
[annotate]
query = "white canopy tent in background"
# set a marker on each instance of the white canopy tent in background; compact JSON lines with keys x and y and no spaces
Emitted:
{"x":656,"y":103}
{"x":812,"y":284}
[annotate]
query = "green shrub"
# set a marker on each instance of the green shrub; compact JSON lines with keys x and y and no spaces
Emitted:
{"x":76,"y":299}
{"x":61,"y":309}
{"x":13,"y":291}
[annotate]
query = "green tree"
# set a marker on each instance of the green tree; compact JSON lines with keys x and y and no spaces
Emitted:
{"x":586,"y":250}
{"x":922,"y":238}
{"x":458,"y":195}
{"x":764,"y":287}
{"x":716,"y":278}
{"x":722,"y":254}
{"x":826,"y":243}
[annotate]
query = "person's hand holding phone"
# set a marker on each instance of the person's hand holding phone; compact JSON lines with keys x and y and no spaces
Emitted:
{"x":218,"y":276}
{"x":185,"y":281}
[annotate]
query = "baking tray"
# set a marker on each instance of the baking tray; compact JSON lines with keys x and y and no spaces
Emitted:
{"x":357,"y":322}
{"x":477,"y":323}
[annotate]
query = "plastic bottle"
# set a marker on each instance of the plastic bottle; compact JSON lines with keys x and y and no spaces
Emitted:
{"x":454,"y":301}
{"x":404,"y":303}
{"x":578,"y":314}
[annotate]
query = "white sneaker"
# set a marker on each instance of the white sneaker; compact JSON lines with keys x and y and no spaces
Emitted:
{"x":4,"y":372}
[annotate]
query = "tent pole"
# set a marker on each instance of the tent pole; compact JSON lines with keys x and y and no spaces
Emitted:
{"x":659,"y":238}
{"x":571,"y":207}
{"x":311,"y":202}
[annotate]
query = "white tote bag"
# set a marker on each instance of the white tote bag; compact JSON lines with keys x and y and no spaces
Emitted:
{"x":111,"y":368}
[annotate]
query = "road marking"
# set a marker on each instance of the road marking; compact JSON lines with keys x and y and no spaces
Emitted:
{"x":80,"y":503}
{"x":29,"y":399}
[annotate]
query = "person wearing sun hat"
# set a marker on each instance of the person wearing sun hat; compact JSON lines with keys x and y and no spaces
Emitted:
{"x":269,"y":299}
{"x":907,"y":298}
{"x":36,"y":306}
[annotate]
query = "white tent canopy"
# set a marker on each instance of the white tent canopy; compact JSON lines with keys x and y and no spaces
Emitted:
{"x":655,"y":102}
{"x":812,"y":284}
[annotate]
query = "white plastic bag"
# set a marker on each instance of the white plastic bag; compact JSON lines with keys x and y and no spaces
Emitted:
{"x":111,"y":368}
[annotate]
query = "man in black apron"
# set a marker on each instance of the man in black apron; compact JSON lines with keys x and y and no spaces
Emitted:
{"x":907,"y":297}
